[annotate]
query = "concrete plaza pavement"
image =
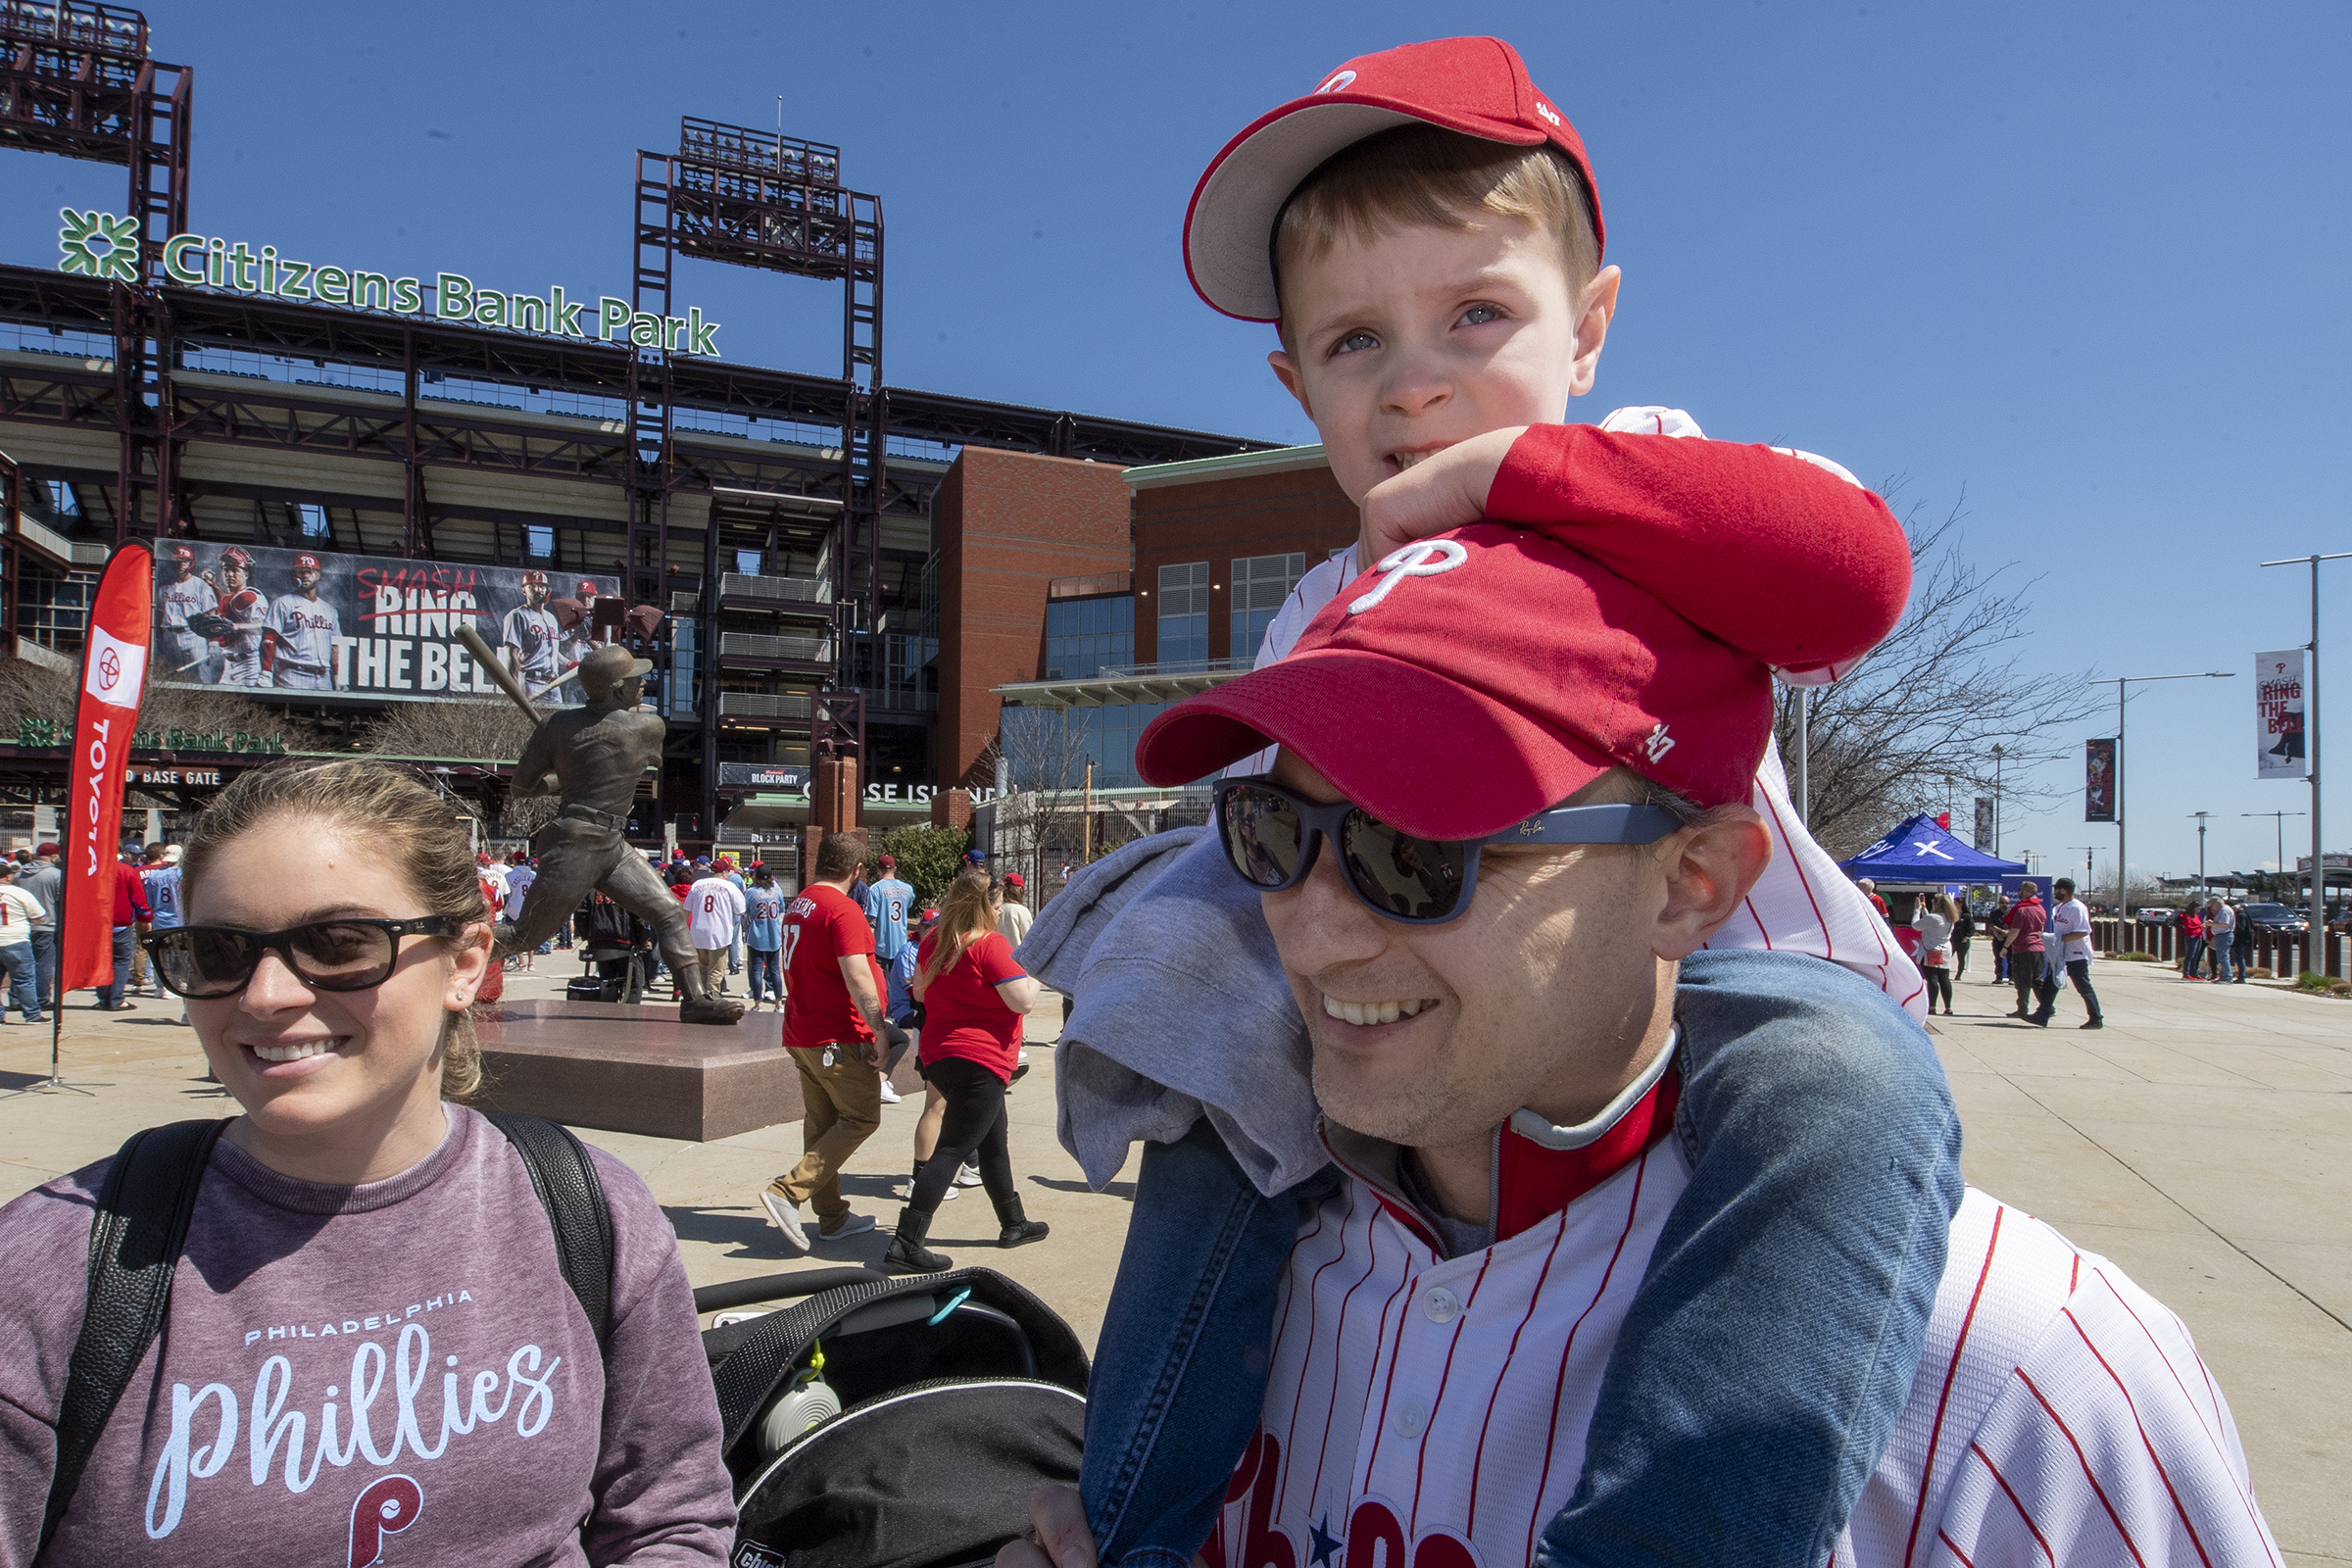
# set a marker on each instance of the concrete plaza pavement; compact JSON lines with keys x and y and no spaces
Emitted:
{"x":2202,"y":1141}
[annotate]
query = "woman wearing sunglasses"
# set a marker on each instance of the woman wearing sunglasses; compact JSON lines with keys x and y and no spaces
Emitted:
{"x":369,"y":1335}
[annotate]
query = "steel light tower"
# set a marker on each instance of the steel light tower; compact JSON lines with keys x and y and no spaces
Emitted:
{"x":2280,"y":822}
{"x":2201,"y":816}
{"x":2123,"y":686}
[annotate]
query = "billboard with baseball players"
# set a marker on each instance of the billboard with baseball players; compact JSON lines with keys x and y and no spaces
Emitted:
{"x":364,"y":626}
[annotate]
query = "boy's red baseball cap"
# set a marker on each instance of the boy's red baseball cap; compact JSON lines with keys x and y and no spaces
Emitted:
{"x":1478,"y":87}
{"x":1437,"y":715}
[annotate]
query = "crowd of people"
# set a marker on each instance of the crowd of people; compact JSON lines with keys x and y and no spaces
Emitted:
{"x":1543,"y":1158}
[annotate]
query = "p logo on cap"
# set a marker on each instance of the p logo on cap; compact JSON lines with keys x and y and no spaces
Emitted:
{"x":1426,"y":559}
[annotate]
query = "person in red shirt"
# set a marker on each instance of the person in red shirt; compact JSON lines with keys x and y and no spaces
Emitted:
{"x":833,"y":1032}
{"x":1870,"y":890}
{"x":2027,"y":922}
{"x":975,"y":997}
{"x":130,"y":912}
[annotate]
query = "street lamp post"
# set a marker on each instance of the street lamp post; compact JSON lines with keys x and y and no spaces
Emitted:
{"x":2280,"y":822}
{"x":2311,"y":749}
{"x":2123,"y":686}
{"x":2201,"y":816}
{"x":1804,"y":745}
{"x":2089,"y":868}
{"x":1997,"y":754}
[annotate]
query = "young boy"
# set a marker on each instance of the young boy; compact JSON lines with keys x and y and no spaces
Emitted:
{"x":1424,"y":227}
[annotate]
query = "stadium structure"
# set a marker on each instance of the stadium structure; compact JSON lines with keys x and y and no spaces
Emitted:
{"x":818,"y":544}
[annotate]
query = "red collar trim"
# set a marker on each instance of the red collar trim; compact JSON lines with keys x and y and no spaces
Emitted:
{"x":1534,"y":1182}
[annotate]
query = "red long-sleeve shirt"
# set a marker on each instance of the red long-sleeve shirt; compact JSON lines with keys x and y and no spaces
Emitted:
{"x":1729,"y":537}
{"x":130,"y":895}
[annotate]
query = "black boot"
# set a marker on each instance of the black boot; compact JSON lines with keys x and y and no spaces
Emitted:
{"x":1019,"y":1230}
{"x":907,"y":1250}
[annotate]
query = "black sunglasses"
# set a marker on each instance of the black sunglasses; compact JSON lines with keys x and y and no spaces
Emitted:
{"x":1271,"y":836}
{"x":345,"y":955}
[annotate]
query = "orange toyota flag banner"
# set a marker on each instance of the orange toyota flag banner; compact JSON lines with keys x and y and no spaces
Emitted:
{"x":114,"y":668}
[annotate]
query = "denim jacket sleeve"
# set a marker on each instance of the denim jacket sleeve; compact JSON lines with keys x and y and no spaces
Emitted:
{"x":1825,"y":1149}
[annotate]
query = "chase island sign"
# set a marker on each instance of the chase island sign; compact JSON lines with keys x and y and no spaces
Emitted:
{"x":103,"y":246}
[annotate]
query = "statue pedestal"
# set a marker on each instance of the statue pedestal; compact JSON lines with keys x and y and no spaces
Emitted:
{"x":637,"y":1069}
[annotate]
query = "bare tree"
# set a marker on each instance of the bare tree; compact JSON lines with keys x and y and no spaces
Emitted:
{"x":1045,"y":758}
{"x":476,"y":732}
{"x":43,"y":700}
{"x":1912,"y":729}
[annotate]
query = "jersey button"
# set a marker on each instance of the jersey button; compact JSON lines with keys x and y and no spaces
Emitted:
{"x":1410,"y":1419}
{"x":1441,"y":1305}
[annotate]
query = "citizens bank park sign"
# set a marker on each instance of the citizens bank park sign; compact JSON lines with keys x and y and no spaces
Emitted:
{"x":360,"y":625}
{"x":103,"y":246}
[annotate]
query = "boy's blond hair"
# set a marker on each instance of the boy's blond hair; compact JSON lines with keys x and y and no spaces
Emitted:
{"x":1431,"y":177}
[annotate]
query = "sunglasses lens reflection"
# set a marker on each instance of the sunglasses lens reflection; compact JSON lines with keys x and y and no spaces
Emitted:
{"x":1262,"y":836}
{"x":1411,"y":878}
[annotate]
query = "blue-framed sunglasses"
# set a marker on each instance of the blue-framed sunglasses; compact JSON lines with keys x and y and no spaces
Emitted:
{"x":1271,"y":837}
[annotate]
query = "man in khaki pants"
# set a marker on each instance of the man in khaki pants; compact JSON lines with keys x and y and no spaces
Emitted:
{"x":832,"y":1028}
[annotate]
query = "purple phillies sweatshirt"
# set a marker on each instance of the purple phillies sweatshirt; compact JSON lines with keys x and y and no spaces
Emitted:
{"x":390,"y":1374}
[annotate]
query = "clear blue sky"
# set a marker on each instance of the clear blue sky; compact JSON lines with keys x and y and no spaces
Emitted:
{"x":2086,"y":263}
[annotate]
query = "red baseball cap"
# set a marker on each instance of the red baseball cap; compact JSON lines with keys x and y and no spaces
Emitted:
{"x":539,"y":577}
{"x":587,"y":589}
{"x":182,"y":552}
{"x":1508,"y":714}
{"x":233,"y":556}
{"x":305,"y":563}
{"x":888,"y":862}
{"x":1478,"y":87}
{"x":1014,"y":879}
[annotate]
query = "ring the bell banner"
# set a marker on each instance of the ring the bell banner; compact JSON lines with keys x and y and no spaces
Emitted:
{"x":114,"y":668}
{"x":2098,"y":780}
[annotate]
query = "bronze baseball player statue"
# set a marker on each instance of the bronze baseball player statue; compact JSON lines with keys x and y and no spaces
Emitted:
{"x":593,"y":756}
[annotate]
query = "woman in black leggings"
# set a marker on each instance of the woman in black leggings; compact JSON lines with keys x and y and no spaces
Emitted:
{"x":975,"y":997}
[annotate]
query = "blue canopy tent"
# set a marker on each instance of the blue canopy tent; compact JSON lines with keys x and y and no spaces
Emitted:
{"x":1921,"y":853}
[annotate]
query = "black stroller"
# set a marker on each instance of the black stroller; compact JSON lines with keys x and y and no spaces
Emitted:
{"x":891,"y":1423}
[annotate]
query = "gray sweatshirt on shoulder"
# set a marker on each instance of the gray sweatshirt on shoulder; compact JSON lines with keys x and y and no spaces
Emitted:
{"x":1181,"y":1010}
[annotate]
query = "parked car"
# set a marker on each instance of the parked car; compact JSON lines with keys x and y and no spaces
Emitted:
{"x":2276,"y":917}
{"x":2157,"y":914}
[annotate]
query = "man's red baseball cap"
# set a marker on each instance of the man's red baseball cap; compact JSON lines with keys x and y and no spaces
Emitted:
{"x":586,"y":590}
{"x":1424,"y":704}
{"x":233,"y":556}
{"x":530,"y":577}
{"x":182,"y":552}
{"x":1478,"y":87}
{"x":305,"y":563}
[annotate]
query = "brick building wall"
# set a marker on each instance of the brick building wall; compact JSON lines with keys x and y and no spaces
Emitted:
{"x":1220,"y":509}
{"x":1006,"y":523}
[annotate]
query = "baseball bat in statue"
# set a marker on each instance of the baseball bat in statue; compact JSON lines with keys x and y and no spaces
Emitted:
{"x":498,"y":671}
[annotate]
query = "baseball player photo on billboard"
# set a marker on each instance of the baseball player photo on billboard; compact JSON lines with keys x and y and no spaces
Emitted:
{"x":305,"y":621}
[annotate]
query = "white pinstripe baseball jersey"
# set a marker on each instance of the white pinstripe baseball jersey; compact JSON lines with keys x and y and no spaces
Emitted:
{"x":1430,"y":1412}
{"x":1802,"y":902}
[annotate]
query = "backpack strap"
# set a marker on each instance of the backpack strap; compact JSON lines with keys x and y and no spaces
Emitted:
{"x":136,"y":1235}
{"x":565,"y":1178}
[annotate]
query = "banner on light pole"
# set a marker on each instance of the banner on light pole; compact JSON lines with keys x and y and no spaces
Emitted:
{"x":114,"y":670}
{"x":1983,"y":837}
{"x":2098,"y":780}
{"x":2281,"y":751}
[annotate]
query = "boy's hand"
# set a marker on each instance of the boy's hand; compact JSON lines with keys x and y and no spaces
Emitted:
{"x":1058,"y":1522}
{"x":1444,"y":490}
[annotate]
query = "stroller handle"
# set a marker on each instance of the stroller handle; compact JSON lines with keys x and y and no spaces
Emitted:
{"x":728,"y":1293}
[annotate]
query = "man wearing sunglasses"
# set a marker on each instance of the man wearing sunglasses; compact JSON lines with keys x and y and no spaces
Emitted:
{"x":1498,"y":942}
